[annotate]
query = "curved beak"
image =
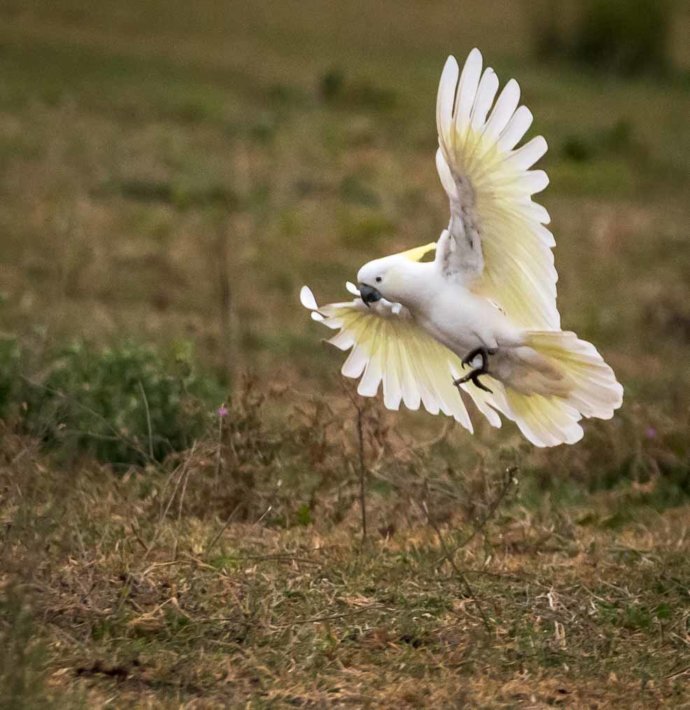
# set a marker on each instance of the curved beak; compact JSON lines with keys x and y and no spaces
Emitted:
{"x":368,"y":294}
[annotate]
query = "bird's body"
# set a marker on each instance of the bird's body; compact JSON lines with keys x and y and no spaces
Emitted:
{"x":463,"y":321}
{"x":488,"y":298}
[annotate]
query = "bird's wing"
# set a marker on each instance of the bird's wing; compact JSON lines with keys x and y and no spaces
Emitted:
{"x":496,"y":242}
{"x":388,"y":347}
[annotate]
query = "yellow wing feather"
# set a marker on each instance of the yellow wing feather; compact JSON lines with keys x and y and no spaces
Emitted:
{"x":389,"y":351}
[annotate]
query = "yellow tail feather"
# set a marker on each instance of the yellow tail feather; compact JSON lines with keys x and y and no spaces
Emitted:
{"x":555,"y":381}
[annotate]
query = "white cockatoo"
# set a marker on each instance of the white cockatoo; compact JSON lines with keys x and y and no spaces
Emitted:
{"x":480,"y":319}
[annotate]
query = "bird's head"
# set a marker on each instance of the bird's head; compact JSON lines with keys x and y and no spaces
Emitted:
{"x":390,"y":277}
{"x":378,"y":279}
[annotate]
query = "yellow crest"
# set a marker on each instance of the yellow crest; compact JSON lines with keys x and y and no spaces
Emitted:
{"x":418,"y":253}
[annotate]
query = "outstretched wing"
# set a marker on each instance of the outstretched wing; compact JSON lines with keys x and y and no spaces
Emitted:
{"x":496,"y":241}
{"x":388,"y":348}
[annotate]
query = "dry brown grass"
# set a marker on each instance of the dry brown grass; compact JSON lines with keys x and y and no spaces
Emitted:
{"x":147,"y":590}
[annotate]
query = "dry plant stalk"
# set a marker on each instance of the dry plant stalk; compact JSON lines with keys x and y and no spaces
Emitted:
{"x":362,"y":474}
{"x":359,"y":423}
{"x":461,"y":575}
{"x":225,"y":300}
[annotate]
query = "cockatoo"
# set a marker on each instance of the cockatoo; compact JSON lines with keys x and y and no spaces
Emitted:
{"x":479,"y":320}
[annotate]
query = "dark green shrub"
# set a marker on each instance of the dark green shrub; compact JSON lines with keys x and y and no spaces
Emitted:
{"x":624,"y":36}
{"x":10,"y":383}
{"x":125,"y":404}
{"x":547,"y":28}
{"x":338,"y":89}
{"x":617,"y":139}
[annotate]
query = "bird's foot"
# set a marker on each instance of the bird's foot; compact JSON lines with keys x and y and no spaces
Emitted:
{"x":473,"y":376}
{"x":484,"y":352}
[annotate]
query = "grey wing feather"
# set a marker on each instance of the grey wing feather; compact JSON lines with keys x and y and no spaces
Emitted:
{"x":459,"y":248}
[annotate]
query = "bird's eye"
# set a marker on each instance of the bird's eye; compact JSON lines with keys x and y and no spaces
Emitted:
{"x":378,"y":279}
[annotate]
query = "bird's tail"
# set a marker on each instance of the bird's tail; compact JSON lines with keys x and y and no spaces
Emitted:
{"x":554,"y":380}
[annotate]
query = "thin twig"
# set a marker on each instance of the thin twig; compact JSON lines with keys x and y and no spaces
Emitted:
{"x":137,"y":537}
{"x":362,"y":474}
{"x":219,"y":452}
{"x":489,"y":573}
{"x":272,"y":558}
{"x":461,"y":575}
{"x":507,"y":483}
{"x":182,"y":475}
{"x":225,"y":297}
{"x":331,"y":617}
{"x":362,"y":462}
{"x":148,"y":418}
{"x":179,"y":508}
{"x":264,"y":514}
{"x":675,"y":674}
{"x":216,"y":537}
{"x":413,"y":449}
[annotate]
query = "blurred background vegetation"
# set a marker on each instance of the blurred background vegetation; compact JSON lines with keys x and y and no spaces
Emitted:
{"x":170,"y":175}
{"x":623,"y":37}
{"x":171,"y":178}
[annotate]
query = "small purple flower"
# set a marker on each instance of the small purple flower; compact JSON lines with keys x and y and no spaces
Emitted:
{"x":222,"y":411}
{"x":650,"y":432}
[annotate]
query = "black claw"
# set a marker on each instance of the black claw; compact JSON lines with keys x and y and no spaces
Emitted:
{"x":484,"y":352}
{"x":481,"y":385}
{"x":473,"y":354}
{"x":473,"y":376}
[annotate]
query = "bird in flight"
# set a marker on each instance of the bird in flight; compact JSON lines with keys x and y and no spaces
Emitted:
{"x":479,"y":320}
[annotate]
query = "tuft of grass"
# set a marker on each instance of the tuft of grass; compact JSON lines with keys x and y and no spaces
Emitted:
{"x":23,"y":655}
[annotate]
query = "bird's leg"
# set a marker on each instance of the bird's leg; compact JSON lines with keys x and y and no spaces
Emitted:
{"x":483,"y":369}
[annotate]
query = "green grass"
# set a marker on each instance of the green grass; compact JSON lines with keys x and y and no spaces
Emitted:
{"x":161,"y":161}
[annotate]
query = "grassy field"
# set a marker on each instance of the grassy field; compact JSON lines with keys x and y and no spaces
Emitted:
{"x":165,"y":164}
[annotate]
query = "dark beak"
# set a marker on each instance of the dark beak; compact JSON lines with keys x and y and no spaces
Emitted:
{"x":368,"y":294}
